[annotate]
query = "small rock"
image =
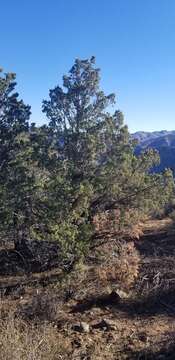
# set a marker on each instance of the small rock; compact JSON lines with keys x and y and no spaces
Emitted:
{"x":122,"y":294}
{"x":105,"y":324}
{"x":81,"y":327}
{"x":76,"y":343}
{"x":76,"y":327}
{"x":111,"y":325}
{"x":142,"y":337}
{"x":84,"y":327}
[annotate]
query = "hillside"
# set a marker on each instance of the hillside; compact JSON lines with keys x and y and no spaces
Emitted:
{"x":85,"y":274}
{"x":163,"y":141}
{"x":75,"y":320}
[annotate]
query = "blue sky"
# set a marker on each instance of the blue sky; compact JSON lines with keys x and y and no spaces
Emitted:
{"x":133,"y":41}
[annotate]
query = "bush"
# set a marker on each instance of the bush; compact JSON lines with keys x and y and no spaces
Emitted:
{"x":120,"y":268}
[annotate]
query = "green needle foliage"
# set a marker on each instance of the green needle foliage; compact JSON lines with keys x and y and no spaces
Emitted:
{"x":97,"y":170}
{"x":57,"y":178}
{"x":14,"y":116}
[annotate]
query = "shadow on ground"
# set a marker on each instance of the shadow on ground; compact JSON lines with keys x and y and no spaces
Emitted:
{"x":167,"y":352}
{"x":31,"y":256}
{"x":154,"y":304}
{"x":158,"y":242}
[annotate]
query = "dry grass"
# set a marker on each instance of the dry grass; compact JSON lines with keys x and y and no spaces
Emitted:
{"x":130,"y":340}
{"x":19,"y":341}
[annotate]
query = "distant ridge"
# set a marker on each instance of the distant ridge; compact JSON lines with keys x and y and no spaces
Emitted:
{"x":163,"y":141}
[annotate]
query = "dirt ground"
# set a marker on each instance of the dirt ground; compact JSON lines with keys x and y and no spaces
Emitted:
{"x":138,"y":325}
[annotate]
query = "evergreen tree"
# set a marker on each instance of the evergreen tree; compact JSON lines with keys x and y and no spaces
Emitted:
{"x":56,"y":179}
{"x":95,"y":169}
{"x":14,"y":129}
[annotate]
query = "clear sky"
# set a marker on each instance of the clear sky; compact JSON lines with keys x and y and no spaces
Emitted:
{"x":133,"y":41}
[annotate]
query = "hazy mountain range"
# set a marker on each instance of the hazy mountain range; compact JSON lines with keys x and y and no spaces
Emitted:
{"x":163,"y":141}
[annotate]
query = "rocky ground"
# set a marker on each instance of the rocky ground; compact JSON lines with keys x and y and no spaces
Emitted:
{"x":81,"y":322}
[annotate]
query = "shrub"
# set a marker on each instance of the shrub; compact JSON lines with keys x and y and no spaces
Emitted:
{"x":120,"y":268}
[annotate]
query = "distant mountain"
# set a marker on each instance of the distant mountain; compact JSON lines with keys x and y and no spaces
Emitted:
{"x":163,"y":141}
